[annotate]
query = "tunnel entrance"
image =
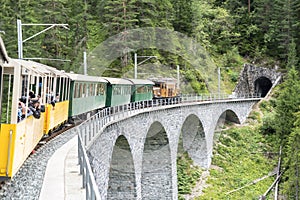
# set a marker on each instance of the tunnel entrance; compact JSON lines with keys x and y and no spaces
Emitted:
{"x":262,"y":86}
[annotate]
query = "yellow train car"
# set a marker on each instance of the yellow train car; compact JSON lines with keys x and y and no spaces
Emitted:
{"x":165,"y":87}
{"x":29,"y":108}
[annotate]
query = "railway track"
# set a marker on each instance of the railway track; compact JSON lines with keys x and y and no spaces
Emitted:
{"x":54,"y":134}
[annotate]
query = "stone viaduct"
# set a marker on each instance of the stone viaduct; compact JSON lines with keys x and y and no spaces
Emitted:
{"x":135,"y":157}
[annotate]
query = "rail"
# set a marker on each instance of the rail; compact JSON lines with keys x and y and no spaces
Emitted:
{"x":89,"y":129}
{"x":88,"y":179}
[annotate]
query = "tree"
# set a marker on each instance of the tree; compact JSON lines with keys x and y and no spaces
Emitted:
{"x":292,"y":56}
{"x":282,"y":28}
{"x":292,"y":184}
{"x":119,"y":16}
{"x":183,"y":17}
{"x":287,"y":104}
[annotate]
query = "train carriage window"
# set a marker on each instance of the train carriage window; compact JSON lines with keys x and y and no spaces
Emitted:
{"x":88,"y":86}
{"x":6,"y":97}
{"x":80,"y":90}
{"x":75,"y":90}
{"x":86,"y":90}
{"x":61,"y":94}
{"x":92,"y":93}
{"x":98,"y":89}
{"x":101,"y":89}
{"x":95,"y":89}
{"x":83,"y":90}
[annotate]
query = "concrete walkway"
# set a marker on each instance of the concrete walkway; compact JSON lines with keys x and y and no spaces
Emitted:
{"x":62,"y":180}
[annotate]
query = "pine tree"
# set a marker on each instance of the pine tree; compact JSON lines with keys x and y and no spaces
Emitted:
{"x":292,"y":55}
{"x":183,"y":17}
{"x":120,"y":15}
{"x":292,"y":185}
{"x":282,"y":28}
{"x":287,"y":104}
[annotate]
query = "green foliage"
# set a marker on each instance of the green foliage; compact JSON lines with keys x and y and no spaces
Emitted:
{"x":187,"y":174}
{"x":239,"y":157}
{"x":254,"y":115}
{"x":292,"y":175}
{"x":287,"y":104}
{"x":292,"y":56}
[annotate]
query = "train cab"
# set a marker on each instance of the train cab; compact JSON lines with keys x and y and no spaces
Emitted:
{"x":164,"y":87}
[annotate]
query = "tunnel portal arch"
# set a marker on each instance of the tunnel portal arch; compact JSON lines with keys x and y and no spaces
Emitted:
{"x":262,"y":86}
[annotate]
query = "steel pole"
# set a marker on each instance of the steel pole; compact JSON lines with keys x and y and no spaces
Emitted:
{"x":84,"y":63}
{"x":20,"y":40}
{"x":219,"y":80}
{"x":135,"y":65}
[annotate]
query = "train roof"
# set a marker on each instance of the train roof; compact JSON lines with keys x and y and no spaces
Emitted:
{"x":81,"y":77}
{"x":3,"y":51}
{"x":39,"y":68}
{"x":141,"y":82}
{"x":118,"y":81}
{"x":163,"y":80}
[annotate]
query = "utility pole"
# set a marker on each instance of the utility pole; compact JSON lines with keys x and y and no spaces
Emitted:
{"x":219,"y":80}
{"x":85,"y":39}
{"x":178,"y":77}
{"x":136,"y":64}
{"x":21,"y":41}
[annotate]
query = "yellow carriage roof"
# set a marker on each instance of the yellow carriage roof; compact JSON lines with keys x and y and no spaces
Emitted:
{"x":39,"y":68}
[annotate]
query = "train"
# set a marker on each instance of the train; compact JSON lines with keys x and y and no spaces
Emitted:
{"x":37,"y":99}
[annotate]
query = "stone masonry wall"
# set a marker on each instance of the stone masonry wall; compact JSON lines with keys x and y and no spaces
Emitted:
{"x":152,"y":142}
{"x":250,"y":74}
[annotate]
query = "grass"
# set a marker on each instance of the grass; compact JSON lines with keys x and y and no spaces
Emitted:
{"x":187,"y":174}
{"x":239,"y":155}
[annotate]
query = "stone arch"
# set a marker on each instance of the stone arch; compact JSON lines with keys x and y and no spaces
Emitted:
{"x":194,"y":140}
{"x":262,"y":85}
{"x":122,"y":182}
{"x":156,"y":180}
{"x":226,"y":116}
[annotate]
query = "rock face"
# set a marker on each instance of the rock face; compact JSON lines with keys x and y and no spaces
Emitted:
{"x":256,"y":80}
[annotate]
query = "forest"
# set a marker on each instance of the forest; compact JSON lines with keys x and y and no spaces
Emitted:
{"x":265,"y":33}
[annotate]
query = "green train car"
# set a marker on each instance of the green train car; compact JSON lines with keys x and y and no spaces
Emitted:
{"x":87,"y":93}
{"x":142,"y":90}
{"x":118,"y":91}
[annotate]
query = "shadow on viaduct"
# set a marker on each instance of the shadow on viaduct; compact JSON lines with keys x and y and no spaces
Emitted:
{"x":135,"y":158}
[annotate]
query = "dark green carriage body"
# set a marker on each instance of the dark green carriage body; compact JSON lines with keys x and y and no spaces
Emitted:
{"x":86,"y":94}
{"x":142,"y":90}
{"x":118,"y":92}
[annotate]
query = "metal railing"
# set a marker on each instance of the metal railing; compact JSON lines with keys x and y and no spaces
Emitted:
{"x":88,"y":179}
{"x":92,"y":127}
